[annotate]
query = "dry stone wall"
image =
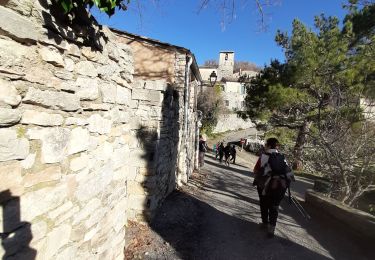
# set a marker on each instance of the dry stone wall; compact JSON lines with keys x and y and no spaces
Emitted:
{"x":231,"y":122}
{"x":83,"y":145}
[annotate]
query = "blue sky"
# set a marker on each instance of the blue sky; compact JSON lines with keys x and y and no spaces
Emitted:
{"x":178,"y":22}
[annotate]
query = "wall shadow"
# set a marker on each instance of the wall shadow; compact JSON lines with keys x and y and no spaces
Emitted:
{"x":160,"y":146}
{"x":16,"y":234}
{"x":196,"y":230}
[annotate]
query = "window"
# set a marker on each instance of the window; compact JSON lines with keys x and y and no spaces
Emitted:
{"x":226,"y":56}
{"x":243,"y":90}
{"x":227,"y":103}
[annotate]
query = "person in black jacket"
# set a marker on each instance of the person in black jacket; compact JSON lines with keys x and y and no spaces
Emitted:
{"x":221,"y":152}
{"x":227,"y":151}
{"x":202,"y":150}
{"x":233,"y":153}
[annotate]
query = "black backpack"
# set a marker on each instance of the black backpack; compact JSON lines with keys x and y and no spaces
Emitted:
{"x":277,"y":163}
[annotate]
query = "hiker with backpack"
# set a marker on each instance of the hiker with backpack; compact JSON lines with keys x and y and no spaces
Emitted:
{"x":272,"y":178}
{"x":202,"y":150}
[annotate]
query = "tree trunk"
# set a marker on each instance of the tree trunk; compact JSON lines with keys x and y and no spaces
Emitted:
{"x":300,"y":143}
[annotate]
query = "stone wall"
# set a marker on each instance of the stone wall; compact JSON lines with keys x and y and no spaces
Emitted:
{"x":231,"y":122}
{"x":84,"y":146}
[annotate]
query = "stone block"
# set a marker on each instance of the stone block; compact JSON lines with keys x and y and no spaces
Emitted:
{"x":29,"y":161}
{"x":79,"y":163}
{"x":67,"y":216}
{"x":9,"y":116}
{"x":17,"y":26}
{"x":52,"y":173}
{"x":120,"y":157}
{"x":67,"y":253}
{"x":87,"y":89}
{"x":13,"y":54}
{"x":79,"y":140}
{"x":76,"y":121}
{"x":41,"y":118}
{"x":56,"y":239}
{"x":137,"y":202}
{"x":52,"y":99}
{"x":69,"y":64}
{"x":12,"y":147}
{"x":86,"y":68}
{"x":36,"y":203}
{"x":118,"y":116}
{"x":123,"y":95}
{"x":109,"y":93}
{"x":54,"y":144}
{"x":97,"y":107}
{"x":98,"y":124}
{"x":64,"y":75}
{"x":159,"y":85}
{"x":8,"y":93}
{"x":52,"y":55}
{"x":147,"y":95}
{"x":39,"y":230}
{"x":60,"y":210}
{"x":11,"y":179}
{"x":86,"y":211}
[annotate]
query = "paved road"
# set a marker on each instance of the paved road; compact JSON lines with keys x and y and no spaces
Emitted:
{"x":229,"y":223}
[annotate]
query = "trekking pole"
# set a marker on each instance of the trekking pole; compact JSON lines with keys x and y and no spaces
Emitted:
{"x":295,"y":202}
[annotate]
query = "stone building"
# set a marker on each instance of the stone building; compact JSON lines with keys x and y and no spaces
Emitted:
{"x":97,"y":127}
{"x":233,"y":91}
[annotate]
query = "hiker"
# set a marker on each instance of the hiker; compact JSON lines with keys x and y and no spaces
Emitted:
{"x":272,"y":177}
{"x":221,"y":152}
{"x":202,"y":150}
{"x":217,"y":150}
{"x":233,"y":153}
{"x":227,"y":151}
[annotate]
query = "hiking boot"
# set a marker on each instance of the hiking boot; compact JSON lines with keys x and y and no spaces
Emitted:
{"x":270,"y":231}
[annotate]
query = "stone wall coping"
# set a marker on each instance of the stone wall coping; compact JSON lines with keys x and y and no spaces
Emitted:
{"x":357,"y":220}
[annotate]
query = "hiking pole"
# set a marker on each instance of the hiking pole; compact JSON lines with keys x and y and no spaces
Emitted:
{"x":295,"y":202}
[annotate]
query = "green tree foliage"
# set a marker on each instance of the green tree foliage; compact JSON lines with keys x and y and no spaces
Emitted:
{"x":211,"y":104}
{"x":107,"y":6}
{"x":318,"y":90}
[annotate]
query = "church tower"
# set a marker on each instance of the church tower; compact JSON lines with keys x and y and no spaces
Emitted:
{"x":226,"y":65}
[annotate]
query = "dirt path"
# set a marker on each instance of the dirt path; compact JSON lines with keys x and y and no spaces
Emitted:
{"x":216,"y":216}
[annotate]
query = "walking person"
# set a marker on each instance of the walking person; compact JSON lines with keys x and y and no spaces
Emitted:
{"x":233,"y":153}
{"x":227,"y":151}
{"x":272,"y":177}
{"x":221,"y":152}
{"x":202,"y":150}
{"x":217,"y":150}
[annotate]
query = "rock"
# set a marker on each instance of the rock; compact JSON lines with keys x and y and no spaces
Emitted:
{"x":11,"y":179}
{"x":52,"y":173}
{"x":60,"y":210}
{"x":64,"y":75}
{"x":36,"y":203}
{"x":8,"y":93}
{"x":52,"y":55}
{"x":69,"y":64}
{"x":120,"y":157}
{"x":109,"y":92}
{"x":97,"y":107}
{"x":76,"y":121}
{"x":79,"y":141}
{"x":108,"y":70}
{"x":79,"y":163}
{"x":17,"y":27}
{"x":13,"y":54}
{"x":123,"y":95}
{"x":39,"y":230}
{"x":88,"y":209}
{"x":9,"y":116}
{"x":148,"y":95}
{"x":52,"y":99}
{"x":54,"y":144}
{"x":87,"y":89}
{"x":56,"y":239}
{"x":29,"y":161}
{"x":86,"y":68}
{"x":74,"y":50}
{"x":12,"y":147}
{"x":98,"y":124}
{"x":41,"y":118}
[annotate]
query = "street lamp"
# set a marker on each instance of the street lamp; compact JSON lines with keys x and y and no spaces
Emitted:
{"x":213,"y":78}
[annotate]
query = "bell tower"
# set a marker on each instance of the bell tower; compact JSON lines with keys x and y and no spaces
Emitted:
{"x":226,"y":64}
